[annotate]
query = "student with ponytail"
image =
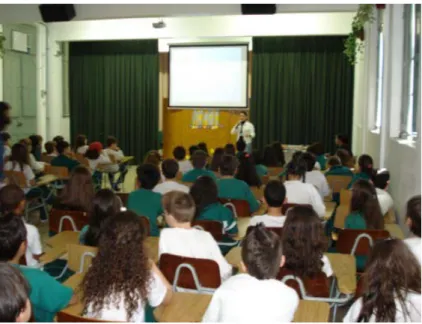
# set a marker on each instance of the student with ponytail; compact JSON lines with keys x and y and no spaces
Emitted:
{"x":366,"y":169}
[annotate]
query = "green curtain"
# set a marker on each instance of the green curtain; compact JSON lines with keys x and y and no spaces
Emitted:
{"x":113,"y":90}
{"x":302,"y":90}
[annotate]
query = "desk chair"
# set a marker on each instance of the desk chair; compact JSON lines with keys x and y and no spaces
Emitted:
{"x":215,"y":228}
{"x":82,"y":159}
{"x":359,"y":242}
{"x":317,"y":286}
{"x":287,"y":206}
{"x":274,"y":171}
{"x":67,"y":220}
{"x":338,"y":182}
{"x":45,"y":158}
{"x":240,"y":208}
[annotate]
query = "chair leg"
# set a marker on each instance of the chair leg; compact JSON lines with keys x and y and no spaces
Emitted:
{"x":334,"y":313}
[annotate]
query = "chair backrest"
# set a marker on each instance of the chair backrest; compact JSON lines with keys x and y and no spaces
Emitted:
{"x":16,"y":177}
{"x":287,"y":206}
{"x":207,"y":271}
{"x":277,"y":230}
{"x":215,"y":228}
{"x":45,"y":158}
{"x":74,"y":219}
{"x":342,"y":212}
{"x":350,"y":239}
{"x":145,"y":224}
{"x":80,"y":257}
{"x":82,"y":159}
{"x":265,"y":179}
{"x":390,"y":217}
{"x":317,"y":286}
{"x":345,"y":197}
{"x":59,"y":172}
{"x":338,"y":182}
{"x":66,"y":317}
{"x":240,"y":208}
{"x":274,"y":171}
{"x":258,"y":192}
{"x":123,"y":197}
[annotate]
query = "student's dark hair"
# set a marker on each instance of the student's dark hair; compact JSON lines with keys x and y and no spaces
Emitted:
{"x":310,"y":161}
{"x":216,"y":159}
{"x":58,"y":139}
{"x":381,"y":179}
{"x":204,"y":192}
{"x":170,"y":168}
{"x":193,"y":149}
{"x":316,"y":149}
{"x":240,"y":145}
{"x":344,"y":156}
{"x":257,"y":156}
{"x":413,"y":211}
{"x":10,"y":198}
{"x":12,"y":235}
{"x":296,"y":155}
{"x":244,"y":112}
{"x":5,"y":136}
{"x":229,"y":149}
{"x":62,"y":146}
{"x":246,"y":171}
{"x":111,"y":140}
{"x":104,"y":205}
{"x":343,"y":138}
{"x":365,"y":201}
{"x":19,"y":155}
{"x":81,"y":140}
{"x":179,"y":153}
{"x":49,"y":147}
{"x":180,"y":205}
{"x":153,"y":157}
{"x":91,"y":154}
{"x":79,"y":190}
{"x":366,"y":165}
{"x":304,"y":241}
{"x":275,"y":193}
{"x":228,"y":166}
{"x":14,"y":293}
{"x":297,"y":168}
{"x":279,"y":152}
{"x":391,"y":273}
{"x":262,"y":252}
{"x":4,"y":117}
{"x":199,"y":159}
{"x":333,"y":161}
{"x":269,"y":157}
{"x":148,"y":176}
{"x":121,"y":266}
{"x":35,"y":141}
{"x":203,"y":147}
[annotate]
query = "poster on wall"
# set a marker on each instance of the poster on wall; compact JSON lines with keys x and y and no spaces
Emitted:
{"x":205,"y":119}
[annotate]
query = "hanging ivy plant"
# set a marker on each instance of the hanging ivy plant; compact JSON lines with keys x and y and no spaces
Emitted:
{"x":352,"y":46}
{"x":2,"y":39}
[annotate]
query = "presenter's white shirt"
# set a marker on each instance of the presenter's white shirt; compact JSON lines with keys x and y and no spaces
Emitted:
{"x":193,"y":243}
{"x":385,"y":201}
{"x":244,"y":298}
{"x":247,"y":131}
{"x":268,"y":221}
{"x":415,"y":245}
{"x":318,"y":179}
{"x":298,"y":192}
{"x":169,"y":185}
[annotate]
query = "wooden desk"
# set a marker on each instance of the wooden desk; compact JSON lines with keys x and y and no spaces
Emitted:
{"x":242,"y":225}
{"x":74,"y":281}
{"x":52,"y":254}
{"x":312,"y":311}
{"x":395,"y":231}
{"x":151,"y":245}
{"x":45,"y":180}
{"x":329,"y":209}
{"x":63,"y":238}
{"x":126,"y":159}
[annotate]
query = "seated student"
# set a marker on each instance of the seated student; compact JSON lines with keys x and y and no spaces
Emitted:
{"x":179,"y":153}
{"x":229,"y":149}
{"x":205,"y":195}
{"x":203,"y":147}
{"x":114,"y":151}
{"x":413,"y":221}
{"x":304,"y":243}
{"x":192,"y":150}
{"x":14,"y":295}
{"x":216,"y":159}
{"x":246,"y":171}
{"x":392,"y":282}
{"x":64,"y":159}
{"x":183,"y":240}
{"x":169,"y":169}
{"x":335,"y":167}
{"x":12,"y":200}
{"x":261,"y":169}
{"x":47,"y":295}
{"x":255,"y":296}
{"x":81,"y":144}
{"x":36,"y":166}
{"x":342,"y":142}
{"x":317,"y":149}
{"x":295,"y":156}
{"x":78,"y":192}
{"x":199,"y":161}
{"x":122,"y":279}
{"x":279,"y":152}
{"x":96,"y":156}
{"x":299,"y":192}
{"x":274,"y":198}
{"x":366,"y":169}
{"x":381,"y":182}
{"x":19,"y":161}
{"x":231,"y":188}
{"x":315,"y":177}
{"x":5,"y":136}
{"x":58,"y":139}
{"x":105,"y":204}
{"x":144,"y":201}
{"x":346,"y":159}
{"x":36,"y":145}
{"x":50,"y":149}
{"x":269,"y":158}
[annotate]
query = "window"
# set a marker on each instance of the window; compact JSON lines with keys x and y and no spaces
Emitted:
{"x":380,"y":62}
{"x":411,"y":71}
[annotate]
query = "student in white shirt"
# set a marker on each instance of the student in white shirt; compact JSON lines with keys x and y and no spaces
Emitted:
{"x":96,"y":156}
{"x":12,"y":200}
{"x":413,"y":221}
{"x":179,"y":154}
{"x":6,"y":142}
{"x":274,"y":198}
{"x":183,"y":240}
{"x":18,"y":161}
{"x":299,"y":192}
{"x":35,"y":165}
{"x":122,"y":279}
{"x":81,"y":144}
{"x":393,"y":286}
{"x":315,"y":177}
{"x":381,"y":182}
{"x":255,"y":296}
{"x":304,"y":243}
{"x":169,"y":169}
{"x":116,"y":155}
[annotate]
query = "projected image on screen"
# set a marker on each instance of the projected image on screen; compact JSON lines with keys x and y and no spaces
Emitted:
{"x":208,"y":76}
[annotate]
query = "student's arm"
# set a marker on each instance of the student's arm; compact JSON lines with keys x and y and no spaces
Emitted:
{"x":160,"y":287}
{"x":53,"y":296}
{"x":234,"y":129}
{"x":253,"y":203}
{"x":317,"y":202}
{"x":34,"y":244}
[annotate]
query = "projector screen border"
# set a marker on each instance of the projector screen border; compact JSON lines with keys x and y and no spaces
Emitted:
{"x":240,"y":44}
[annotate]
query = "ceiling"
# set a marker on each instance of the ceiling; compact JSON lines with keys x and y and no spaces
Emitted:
{"x":29,"y":13}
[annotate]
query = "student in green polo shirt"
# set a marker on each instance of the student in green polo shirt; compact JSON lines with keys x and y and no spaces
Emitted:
{"x":199,"y":161}
{"x":47,"y":295}
{"x":144,"y":201}
{"x":334,"y":167}
{"x":366,"y":169}
{"x":63,"y":160}
{"x":231,"y":188}
{"x":317,"y":149}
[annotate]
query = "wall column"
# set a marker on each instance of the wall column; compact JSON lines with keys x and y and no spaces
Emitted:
{"x":41,"y":64}
{"x":1,"y":70}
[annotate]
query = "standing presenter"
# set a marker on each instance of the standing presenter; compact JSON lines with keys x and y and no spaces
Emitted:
{"x":244,"y":129}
